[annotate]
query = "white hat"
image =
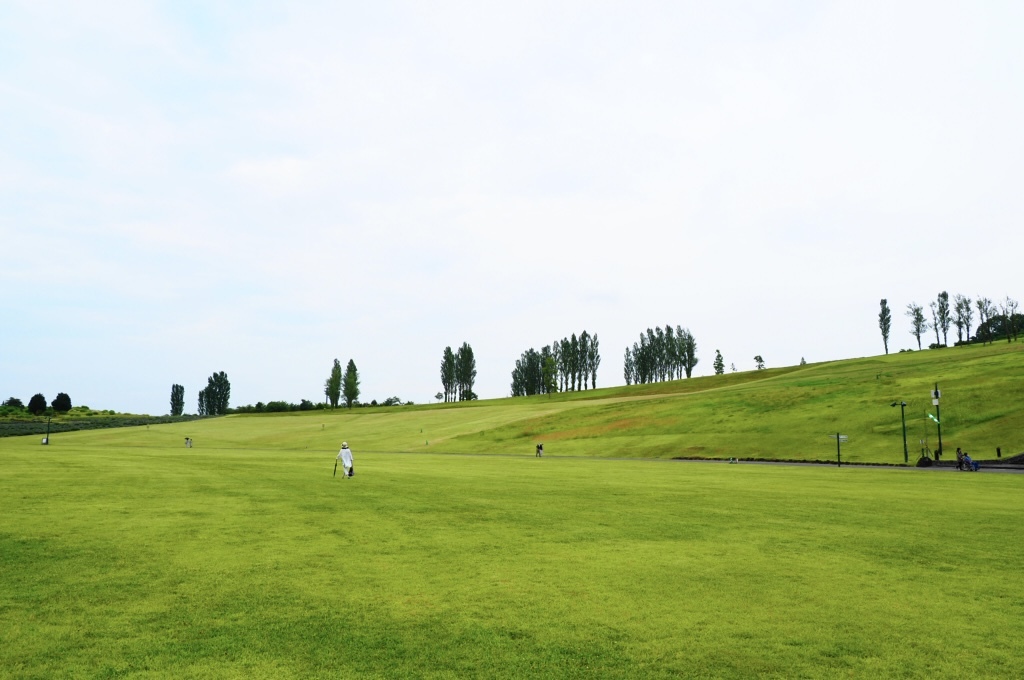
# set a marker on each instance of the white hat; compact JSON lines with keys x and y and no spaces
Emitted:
{"x":344,"y":445}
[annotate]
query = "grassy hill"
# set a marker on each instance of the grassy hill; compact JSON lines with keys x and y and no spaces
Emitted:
{"x":785,"y":413}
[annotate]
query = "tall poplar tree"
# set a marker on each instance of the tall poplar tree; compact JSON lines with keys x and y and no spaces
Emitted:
{"x":985,"y":311}
{"x":688,"y":347}
{"x":942,"y":317}
{"x":593,"y":360}
{"x":448,"y":374}
{"x":885,"y":322}
{"x":332,"y":388}
{"x":177,"y":400}
{"x":918,"y":324}
{"x":465,"y":372}
{"x":350,"y":383}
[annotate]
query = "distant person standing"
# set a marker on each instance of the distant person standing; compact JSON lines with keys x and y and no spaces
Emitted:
{"x":540,"y":450}
{"x":348,"y":469}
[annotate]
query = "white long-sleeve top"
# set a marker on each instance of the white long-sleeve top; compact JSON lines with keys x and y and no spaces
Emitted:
{"x":346,"y":457}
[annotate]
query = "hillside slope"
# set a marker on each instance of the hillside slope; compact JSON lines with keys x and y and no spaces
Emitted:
{"x":785,"y":413}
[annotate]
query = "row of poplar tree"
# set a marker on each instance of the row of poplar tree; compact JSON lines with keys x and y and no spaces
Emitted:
{"x":458,"y":374}
{"x":340,"y":384}
{"x":566,"y":365}
{"x":994,"y":319}
{"x":213,"y":399}
{"x":660,"y":355}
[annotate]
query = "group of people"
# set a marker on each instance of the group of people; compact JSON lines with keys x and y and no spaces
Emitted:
{"x":965,"y":462}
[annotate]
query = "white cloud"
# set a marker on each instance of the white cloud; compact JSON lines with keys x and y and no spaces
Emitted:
{"x":272,"y":186}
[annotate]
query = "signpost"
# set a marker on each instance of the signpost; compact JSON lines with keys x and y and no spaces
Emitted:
{"x":936,"y":395}
{"x":840,"y":438}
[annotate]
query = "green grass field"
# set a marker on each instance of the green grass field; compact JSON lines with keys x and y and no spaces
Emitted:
{"x":155,"y":562}
{"x":123,"y":554}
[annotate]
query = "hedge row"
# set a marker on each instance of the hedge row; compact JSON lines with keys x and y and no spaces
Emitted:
{"x":19,"y":428}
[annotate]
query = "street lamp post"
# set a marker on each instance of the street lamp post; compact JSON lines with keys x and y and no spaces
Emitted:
{"x":903,"y":417}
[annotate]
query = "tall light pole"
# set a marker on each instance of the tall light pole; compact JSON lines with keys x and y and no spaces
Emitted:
{"x":903,"y":416}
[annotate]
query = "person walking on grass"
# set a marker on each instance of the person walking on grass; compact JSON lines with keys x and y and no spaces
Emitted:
{"x":346,"y":461}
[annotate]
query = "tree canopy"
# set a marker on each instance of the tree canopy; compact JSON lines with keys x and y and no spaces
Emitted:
{"x":37,"y":404}
{"x":61,"y":403}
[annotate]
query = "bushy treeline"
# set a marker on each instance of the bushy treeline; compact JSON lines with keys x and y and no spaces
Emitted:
{"x":566,"y":365}
{"x":535,"y":373}
{"x":661,"y":354}
{"x":97,"y":420}
{"x":37,"y":405}
{"x":277,"y":407}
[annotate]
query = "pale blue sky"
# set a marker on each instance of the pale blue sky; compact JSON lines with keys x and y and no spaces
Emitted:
{"x":259,"y":188}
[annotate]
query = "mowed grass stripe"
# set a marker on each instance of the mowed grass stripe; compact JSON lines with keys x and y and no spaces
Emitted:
{"x":174,"y":562}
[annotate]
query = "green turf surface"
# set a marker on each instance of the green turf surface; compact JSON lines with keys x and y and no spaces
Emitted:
{"x":152,"y":562}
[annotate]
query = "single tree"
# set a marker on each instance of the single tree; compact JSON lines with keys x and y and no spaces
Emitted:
{"x":556,"y":354}
{"x":448,"y":374}
{"x":61,"y":403}
{"x":918,"y":324}
{"x":935,"y":322}
{"x":803,"y":362}
{"x":732,"y":367}
{"x":574,"y":362}
{"x":985,"y":312}
{"x":584,"y":359}
{"x":942,"y":316}
{"x":628,"y":367}
{"x":885,"y":323}
{"x":688,"y":350}
{"x":332,"y":388}
{"x":177,"y":400}
{"x":350,"y":384}
{"x":465,"y":372}
{"x":37,"y":404}
{"x":759,"y":362}
{"x":719,"y":363}
{"x":550,"y":374}
{"x":439,"y":396}
{"x":14,"y":402}
{"x":593,"y":359}
{"x":1008,"y":309}
{"x":1011,"y":316}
